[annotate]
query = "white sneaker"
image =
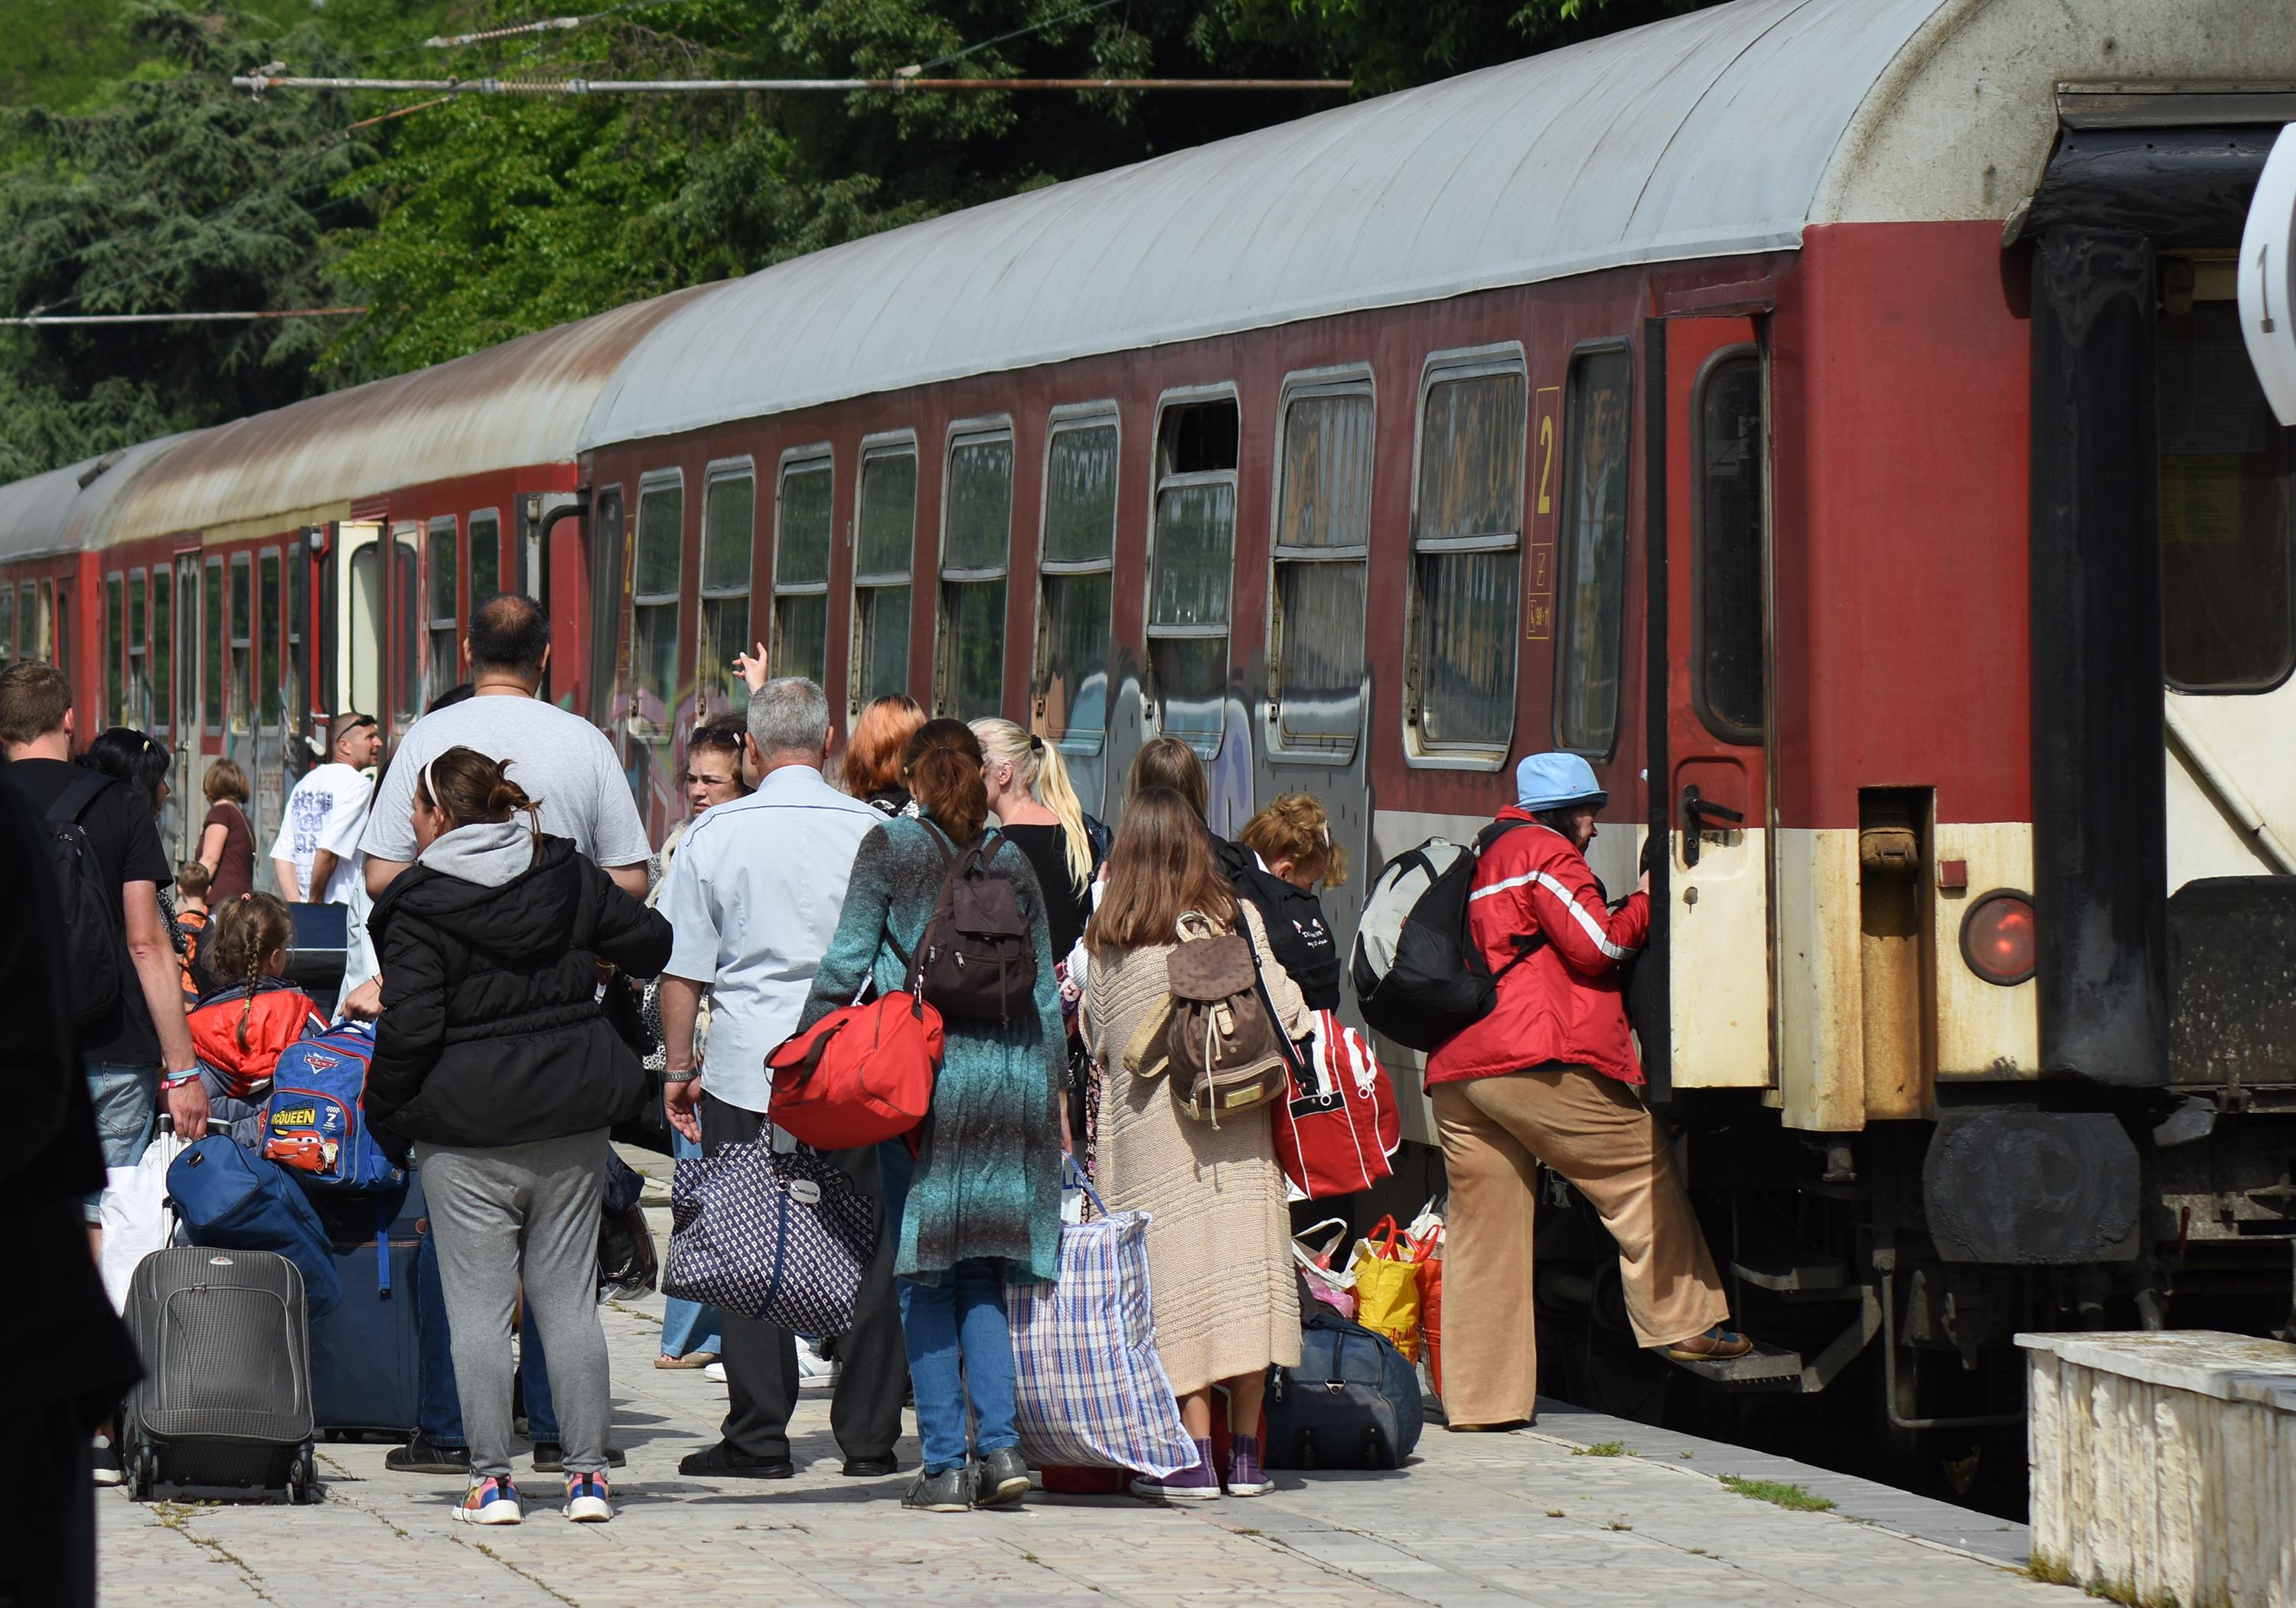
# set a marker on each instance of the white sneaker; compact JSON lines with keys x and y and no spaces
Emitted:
{"x":716,"y":1371}
{"x":488,"y":1501}
{"x":587,"y":1502}
{"x":815,"y":1372}
{"x":104,"y":1459}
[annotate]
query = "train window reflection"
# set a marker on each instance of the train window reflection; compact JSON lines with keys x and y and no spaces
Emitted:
{"x":1466,"y":563}
{"x":1323,"y":545}
{"x":139,"y":692}
{"x":163,"y":638}
{"x":242,"y":636}
{"x":969,"y":682}
{"x":1191,"y":569}
{"x":1591,"y":613}
{"x":886,"y":547}
{"x":653,"y":602}
{"x":1727,"y":566}
{"x":269,"y":603}
{"x":406,"y":608}
{"x":2228,"y":608}
{"x":115,"y":703}
{"x":1073,"y":618}
{"x":485,"y":556}
{"x":7,"y":621}
{"x":211,"y":617}
{"x":446,"y":659}
{"x":800,"y":644}
{"x":729,"y":519}
{"x":604,"y":556}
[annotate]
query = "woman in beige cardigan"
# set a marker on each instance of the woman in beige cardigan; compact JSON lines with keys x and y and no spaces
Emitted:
{"x":1223,"y":1292}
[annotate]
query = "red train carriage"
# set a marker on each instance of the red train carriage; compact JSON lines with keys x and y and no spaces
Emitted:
{"x":1677,"y":400}
{"x":229,"y":588}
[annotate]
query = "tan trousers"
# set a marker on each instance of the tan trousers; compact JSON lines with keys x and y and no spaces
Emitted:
{"x":1594,"y":1132}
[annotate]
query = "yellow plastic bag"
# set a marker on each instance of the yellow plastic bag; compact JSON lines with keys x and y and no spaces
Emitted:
{"x":1387,"y":1286}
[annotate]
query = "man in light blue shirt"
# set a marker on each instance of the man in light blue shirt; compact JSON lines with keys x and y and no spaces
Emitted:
{"x":753,"y":897}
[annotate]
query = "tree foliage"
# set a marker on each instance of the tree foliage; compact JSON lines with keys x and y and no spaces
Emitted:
{"x":465,"y":222}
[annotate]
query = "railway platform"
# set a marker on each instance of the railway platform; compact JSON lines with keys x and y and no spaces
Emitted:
{"x":1584,"y":1510}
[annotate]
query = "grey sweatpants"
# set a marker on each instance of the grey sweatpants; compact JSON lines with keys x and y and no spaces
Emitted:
{"x":513,"y":1214}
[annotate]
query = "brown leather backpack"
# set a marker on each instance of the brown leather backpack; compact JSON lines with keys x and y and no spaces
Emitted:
{"x":1222,"y":1047}
{"x":977,"y":961}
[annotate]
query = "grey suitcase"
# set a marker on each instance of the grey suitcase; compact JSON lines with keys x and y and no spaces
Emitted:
{"x":223,"y":1409}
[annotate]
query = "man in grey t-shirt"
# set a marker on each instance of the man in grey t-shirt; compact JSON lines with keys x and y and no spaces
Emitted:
{"x":559,"y":758}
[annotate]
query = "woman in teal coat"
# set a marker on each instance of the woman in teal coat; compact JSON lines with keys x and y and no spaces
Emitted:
{"x":982,"y":1200}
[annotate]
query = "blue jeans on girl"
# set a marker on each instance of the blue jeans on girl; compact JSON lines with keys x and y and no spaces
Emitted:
{"x":960,"y":1346}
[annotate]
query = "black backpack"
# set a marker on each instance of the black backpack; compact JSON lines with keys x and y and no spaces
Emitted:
{"x":1417,"y":975}
{"x":977,"y":960}
{"x":90,"y":903}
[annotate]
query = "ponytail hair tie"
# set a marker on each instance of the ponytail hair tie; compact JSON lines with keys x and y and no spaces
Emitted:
{"x":1036,"y":744}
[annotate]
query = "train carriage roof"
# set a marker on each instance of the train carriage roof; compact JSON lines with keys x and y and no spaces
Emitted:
{"x":517,"y":404}
{"x":52,"y":512}
{"x":1728,"y":130}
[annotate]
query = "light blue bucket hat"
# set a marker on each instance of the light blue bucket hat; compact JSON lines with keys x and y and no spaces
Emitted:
{"x":1557,"y":781}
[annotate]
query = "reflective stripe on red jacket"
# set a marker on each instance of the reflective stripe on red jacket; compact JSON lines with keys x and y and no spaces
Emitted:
{"x":1564,"y":1003}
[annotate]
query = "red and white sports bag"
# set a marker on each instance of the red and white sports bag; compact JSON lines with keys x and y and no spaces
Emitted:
{"x":1337,"y":1136}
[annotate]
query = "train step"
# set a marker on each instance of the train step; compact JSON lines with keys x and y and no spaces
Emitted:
{"x":1766,"y":1368}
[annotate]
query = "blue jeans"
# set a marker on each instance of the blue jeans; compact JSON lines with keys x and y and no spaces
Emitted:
{"x":439,"y":1405}
{"x":688,"y":1326}
{"x":960,"y":1346}
{"x":125,"y":1099}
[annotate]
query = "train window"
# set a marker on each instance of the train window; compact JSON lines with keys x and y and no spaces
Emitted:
{"x":441,"y":575}
{"x":976,"y":542}
{"x":163,"y":641}
{"x":298,"y":663}
{"x":266,"y":657}
{"x":32,"y":620}
{"x":2228,"y":583}
{"x":729,"y":518}
{"x":1727,"y":564}
{"x":7,"y":621}
{"x":139,"y":688}
{"x":406,"y":605}
{"x":605,"y":557}
{"x":212,"y":625}
{"x":1191,"y":569}
{"x":1077,"y":582}
{"x":1466,"y":570}
{"x":486,"y":556}
{"x":885,"y":545}
{"x":115,"y":698}
{"x":243,"y":639}
{"x":1591,"y":615}
{"x":1323,"y":545}
{"x":187,"y":648}
{"x":800,"y":645}
{"x":653,"y":600}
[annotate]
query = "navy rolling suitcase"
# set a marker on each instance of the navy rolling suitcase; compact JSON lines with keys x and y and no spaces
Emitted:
{"x":366,"y":1353}
{"x":1353,"y":1402}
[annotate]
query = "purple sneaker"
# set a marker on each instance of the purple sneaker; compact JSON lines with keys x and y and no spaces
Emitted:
{"x":1245,"y":1476}
{"x":1197,"y":1484}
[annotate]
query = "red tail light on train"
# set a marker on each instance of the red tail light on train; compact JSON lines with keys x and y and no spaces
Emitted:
{"x":1996,"y":938}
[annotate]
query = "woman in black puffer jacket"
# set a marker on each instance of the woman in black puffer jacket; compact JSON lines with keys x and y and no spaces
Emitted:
{"x":493,"y":1063}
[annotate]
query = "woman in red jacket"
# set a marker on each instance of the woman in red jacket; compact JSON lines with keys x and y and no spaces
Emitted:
{"x":1549,"y":1076}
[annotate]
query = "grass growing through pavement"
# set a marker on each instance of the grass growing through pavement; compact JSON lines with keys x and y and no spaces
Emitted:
{"x":1777,"y":1491}
{"x":1601,"y":1448}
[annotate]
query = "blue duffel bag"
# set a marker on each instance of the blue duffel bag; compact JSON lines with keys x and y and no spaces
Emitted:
{"x":1353,"y":1402}
{"x":236,"y":1200}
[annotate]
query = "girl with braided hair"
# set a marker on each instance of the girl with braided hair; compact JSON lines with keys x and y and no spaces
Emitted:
{"x":251,"y":1012}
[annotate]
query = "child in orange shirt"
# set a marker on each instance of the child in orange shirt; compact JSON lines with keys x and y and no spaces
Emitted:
{"x":251,"y":1011}
{"x":192,"y":879}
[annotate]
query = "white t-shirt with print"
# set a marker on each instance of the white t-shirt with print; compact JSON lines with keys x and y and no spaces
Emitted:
{"x":327,"y":810}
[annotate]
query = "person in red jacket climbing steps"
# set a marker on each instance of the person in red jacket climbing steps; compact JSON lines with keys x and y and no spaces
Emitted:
{"x":1550,"y":1076}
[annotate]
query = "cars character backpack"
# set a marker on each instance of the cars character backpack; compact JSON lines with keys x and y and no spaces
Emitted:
{"x":315,"y":1123}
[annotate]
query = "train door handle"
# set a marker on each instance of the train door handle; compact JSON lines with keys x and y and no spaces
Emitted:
{"x":1694,"y":811}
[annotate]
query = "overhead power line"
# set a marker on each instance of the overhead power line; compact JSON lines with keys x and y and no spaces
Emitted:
{"x":31,"y":320}
{"x":898,"y":84}
{"x":445,"y":42}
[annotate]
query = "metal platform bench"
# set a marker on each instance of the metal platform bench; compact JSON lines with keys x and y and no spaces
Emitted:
{"x":2164,"y":1465}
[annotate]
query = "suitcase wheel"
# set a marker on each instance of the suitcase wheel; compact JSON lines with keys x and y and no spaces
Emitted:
{"x":142,"y":1474}
{"x":303,"y":1479}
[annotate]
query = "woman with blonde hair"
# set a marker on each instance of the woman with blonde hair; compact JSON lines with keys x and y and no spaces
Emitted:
{"x":871,"y":769}
{"x":1219,"y":1233}
{"x":226,"y":839}
{"x":1033,"y":801}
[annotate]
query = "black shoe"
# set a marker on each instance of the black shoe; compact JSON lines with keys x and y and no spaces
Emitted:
{"x":422,"y":1456}
{"x":550,"y":1458}
{"x":1000,"y":1477}
{"x":949,"y":1491}
{"x":871,"y":1468}
{"x":104,"y":1463}
{"x":722,"y":1462}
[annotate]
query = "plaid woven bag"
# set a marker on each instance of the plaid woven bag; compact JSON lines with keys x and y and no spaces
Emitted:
{"x":1092,"y":1392}
{"x":784,"y":1238}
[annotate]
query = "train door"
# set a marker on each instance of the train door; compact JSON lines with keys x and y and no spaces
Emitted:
{"x":1717,"y":893}
{"x":358,"y":604}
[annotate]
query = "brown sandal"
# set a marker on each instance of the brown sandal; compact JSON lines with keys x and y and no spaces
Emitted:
{"x":1718,"y":1345}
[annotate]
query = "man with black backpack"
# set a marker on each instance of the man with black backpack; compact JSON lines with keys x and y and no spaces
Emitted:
{"x":126,"y":994}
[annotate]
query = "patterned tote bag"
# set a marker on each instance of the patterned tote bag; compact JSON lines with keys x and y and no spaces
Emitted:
{"x":1092,"y":1391}
{"x":781,"y":1237}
